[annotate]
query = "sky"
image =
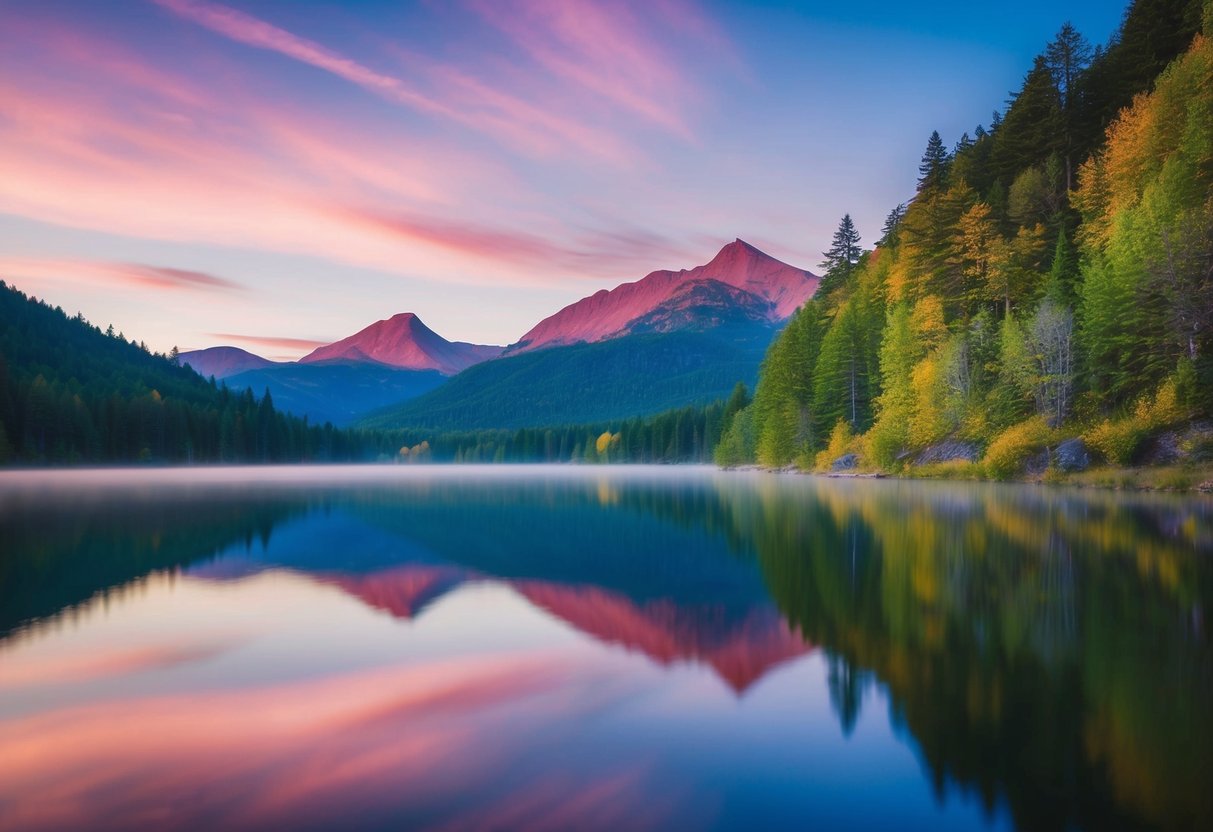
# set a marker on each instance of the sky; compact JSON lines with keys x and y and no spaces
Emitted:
{"x":278,"y":174}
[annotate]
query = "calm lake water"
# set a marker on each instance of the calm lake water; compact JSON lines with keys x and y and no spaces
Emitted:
{"x":598,"y":648}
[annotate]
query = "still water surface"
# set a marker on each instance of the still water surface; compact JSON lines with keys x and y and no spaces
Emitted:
{"x":553,"y":648}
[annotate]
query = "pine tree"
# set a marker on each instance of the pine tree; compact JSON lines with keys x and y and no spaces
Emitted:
{"x":1032,"y":129}
{"x":933,"y":170}
{"x":1067,"y":57}
{"x":842,"y":257}
{"x":890,"y":233}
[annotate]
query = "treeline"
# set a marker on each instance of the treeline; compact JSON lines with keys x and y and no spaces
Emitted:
{"x":1052,"y":276}
{"x":688,"y":434}
{"x":70,"y":393}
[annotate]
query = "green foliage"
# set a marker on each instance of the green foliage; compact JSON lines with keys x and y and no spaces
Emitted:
{"x":1119,"y":439}
{"x":588,"y":383}
{"x":738,"y":445}
{"x":841,"y":259}
{"x":1011,"y":449}
{"x":70,"y":393}
{"x":933,"y":169}
{"x":844,"y":383}
{"x":784,"y":423}
{"x":1056,"y":264}
{"x":842,"y":441}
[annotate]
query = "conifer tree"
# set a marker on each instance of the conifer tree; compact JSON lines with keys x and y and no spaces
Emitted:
{"x":933,"y":170}
{"x":890,"y":233}
{"x":1067,"y":57}
{"x":841,"y":258}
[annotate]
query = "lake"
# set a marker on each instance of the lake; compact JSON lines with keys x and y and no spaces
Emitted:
{"x":598,"y":648}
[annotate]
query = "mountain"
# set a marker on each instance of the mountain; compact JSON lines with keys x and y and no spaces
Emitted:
{"x":222,"y":362}
{"x":769,"y":289}
{"x":669,"y":340}
{"x":336,"y":391}
{"x":404,"y":341}
{"x":386,"y":363}
{"x":636,"y":375}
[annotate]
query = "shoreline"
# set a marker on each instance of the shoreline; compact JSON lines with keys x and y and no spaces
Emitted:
{"x":1166,"y":479}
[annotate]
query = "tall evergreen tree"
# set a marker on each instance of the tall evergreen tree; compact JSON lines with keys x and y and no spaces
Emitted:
{"x":933,"y":170}
{"x":1032,"y":128}
{"x":1067,"y":56}
{"x":890,"y":232}
{"x":842,"y":257}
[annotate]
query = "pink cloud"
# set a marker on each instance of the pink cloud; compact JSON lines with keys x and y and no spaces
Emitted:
{"x":114,"y":140}
{"x":270,"y":341}
{"x":129,"y":274}
{"x":253,"y":31}
{"x":606,"y":51}
{"x":464,"y":237}
{"x":493,"y":112}
{"x":605,"y":250}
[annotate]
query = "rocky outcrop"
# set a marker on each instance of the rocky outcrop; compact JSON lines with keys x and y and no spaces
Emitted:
{"x":1072,"y":455}
{"x":950,"y":450}
{"x":846,"y":462}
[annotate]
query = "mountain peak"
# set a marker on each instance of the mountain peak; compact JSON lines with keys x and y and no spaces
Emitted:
{"x":610,"y":314}
{"x":403,"y":340}
{"x":222,"y":362}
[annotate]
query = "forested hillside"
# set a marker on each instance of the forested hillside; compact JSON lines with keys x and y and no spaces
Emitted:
{"x":70,"y":393}
{"x":596,"y":383}
{"x":1051,"y":278}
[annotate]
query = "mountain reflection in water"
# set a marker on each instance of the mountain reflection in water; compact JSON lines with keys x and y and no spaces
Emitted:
{"x":593,"y":648}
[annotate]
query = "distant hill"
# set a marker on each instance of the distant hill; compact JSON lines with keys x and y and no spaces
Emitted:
{"x":584,"y":383}
{"x":336,"y":391}
{"x":388,"y":362}
{"x":738,"y":276}
{"x":222,"y":362}
{"x":405,"y":342}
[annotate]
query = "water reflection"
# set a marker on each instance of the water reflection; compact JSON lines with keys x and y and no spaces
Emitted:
{"x":499,"y":648}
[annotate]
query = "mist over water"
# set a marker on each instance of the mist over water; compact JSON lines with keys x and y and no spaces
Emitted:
{"x":598,"y":647}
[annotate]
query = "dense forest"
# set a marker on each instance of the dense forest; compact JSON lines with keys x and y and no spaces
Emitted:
{"x":589,"y":383}
{"x":1051,"y":278}
{"x":72,"y":394}
{"x":687,"y":434}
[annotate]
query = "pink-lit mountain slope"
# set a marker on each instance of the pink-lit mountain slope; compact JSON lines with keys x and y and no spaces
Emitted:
{"x":761,"y":286}
{"x":404,"y":341}
{"x":222,"y":362}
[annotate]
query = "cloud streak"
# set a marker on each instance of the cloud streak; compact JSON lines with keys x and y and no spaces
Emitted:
{"x":253,"y":31}
{"x":116,"y":273}
{"x":270,"y":341}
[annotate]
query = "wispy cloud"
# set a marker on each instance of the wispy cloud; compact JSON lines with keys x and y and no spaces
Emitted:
{"x":609,"y":52}
{"x":254,"y":31}
{"x":117,"y":273}
{"x":607,"y":249}
{"x":271,"y":341}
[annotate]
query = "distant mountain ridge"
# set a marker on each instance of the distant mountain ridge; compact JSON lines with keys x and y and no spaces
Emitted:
{"x":404,"y":341}
{"x":768,"y":288}
{"x":668,"y":340}
{"x":386,"y":363}
{"x":222,"y":362}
